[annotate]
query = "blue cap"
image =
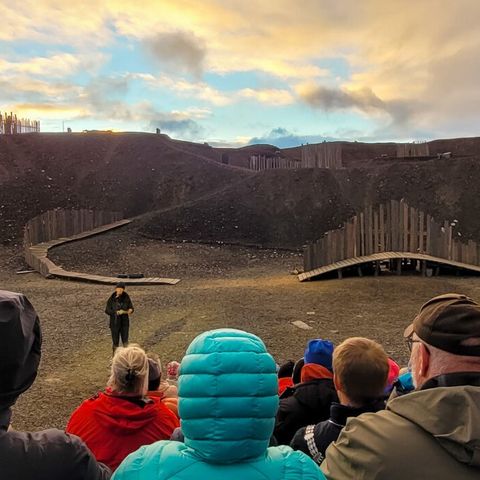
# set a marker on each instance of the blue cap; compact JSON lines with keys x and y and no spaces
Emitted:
{"x":320,"y":352}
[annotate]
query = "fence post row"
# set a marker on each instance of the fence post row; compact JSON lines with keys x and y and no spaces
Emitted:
{"x":10,"y":124}
{"x":391,"y":227}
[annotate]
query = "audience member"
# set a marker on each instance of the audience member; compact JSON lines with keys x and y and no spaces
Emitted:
{"x":285,"y":373}
{"x":172,"y":372}
{"x":157,"y":388}
{"x":41,"y":455}
{"x":309,"y":401}
{"x":118,"y":421}
{"x":297,"y":371}
{"x":227,"y":403}
{"x":433,"y":432}
{"x":361,"y":369}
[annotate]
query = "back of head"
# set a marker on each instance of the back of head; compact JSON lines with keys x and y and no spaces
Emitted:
{"x":129,"y":373}
{"x":361,"y":368}
{"x":227,"y":396}
{"x":20,"y":345}
{"x":154,"y":372}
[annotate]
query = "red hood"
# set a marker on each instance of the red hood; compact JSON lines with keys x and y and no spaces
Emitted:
{"x":122,"y":416}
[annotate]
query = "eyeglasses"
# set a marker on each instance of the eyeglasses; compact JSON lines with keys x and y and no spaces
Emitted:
{"x":410,"y":341}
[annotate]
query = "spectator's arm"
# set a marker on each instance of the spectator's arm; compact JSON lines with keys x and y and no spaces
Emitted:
{"x":130,"y":305}
{"x":298,"y":442}
{"x":83,"y":461}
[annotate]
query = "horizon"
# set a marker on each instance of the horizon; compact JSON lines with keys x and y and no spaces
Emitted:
{"x":245,"y":73}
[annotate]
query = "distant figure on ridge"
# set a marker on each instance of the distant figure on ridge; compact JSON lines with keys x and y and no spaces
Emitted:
{"x":119,"y":307}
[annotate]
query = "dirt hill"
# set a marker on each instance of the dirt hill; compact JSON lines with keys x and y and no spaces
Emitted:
{"x":132,"y":173}
{"x":186,"y":193}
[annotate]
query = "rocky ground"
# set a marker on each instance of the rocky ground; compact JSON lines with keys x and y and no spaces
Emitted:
{"x":222,"y":286}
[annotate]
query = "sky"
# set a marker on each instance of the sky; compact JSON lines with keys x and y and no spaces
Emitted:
{"x":236,"y":72}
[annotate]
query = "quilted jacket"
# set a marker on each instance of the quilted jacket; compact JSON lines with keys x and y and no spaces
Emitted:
{"x":227,"y":404}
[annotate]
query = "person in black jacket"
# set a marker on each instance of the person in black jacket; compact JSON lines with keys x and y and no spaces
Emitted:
{"x":119,"y":307}
{"x":361,"y":371}
{"x":44,"y":455}
{"x":310,"y":400}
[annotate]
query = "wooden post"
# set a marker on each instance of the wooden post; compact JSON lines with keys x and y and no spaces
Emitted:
{"x":399,"y":266}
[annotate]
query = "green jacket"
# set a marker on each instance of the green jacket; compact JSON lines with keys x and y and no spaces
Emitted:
{"x":428,"y":434}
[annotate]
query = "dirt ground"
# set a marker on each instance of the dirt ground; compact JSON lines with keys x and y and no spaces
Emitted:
{"x":222,"y":286}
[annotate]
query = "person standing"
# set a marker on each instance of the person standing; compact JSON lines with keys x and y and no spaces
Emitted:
{"x":119,"y":307}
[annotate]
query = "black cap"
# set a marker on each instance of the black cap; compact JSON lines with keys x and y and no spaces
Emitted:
{"x":446,"y":322}
{"x":120,"y":285}
{"x":20,"y":346}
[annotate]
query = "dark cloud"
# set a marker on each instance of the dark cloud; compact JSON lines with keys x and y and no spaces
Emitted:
{"x":171,"y":123}
{"x":178,"y":51}
{"x":335,"y":99}
{"x":365,"y":100}
{"x":282,"y":138}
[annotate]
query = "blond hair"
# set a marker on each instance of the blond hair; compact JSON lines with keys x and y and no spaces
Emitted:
{"x":129,"y":372}
{"x":361,"y":367}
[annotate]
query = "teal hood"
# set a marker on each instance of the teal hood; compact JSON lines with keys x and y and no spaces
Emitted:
{"x":228,"y":396}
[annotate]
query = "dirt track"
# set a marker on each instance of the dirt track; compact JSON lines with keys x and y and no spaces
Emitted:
{"x":221,"y":287}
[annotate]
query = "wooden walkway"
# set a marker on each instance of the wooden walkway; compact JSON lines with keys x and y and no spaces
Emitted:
{"x":378,"y":257}
{"x":37,"y":256}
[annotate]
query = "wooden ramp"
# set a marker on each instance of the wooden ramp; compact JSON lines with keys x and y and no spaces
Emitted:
{"x":37,"y":257}
{"x":383,"y":256}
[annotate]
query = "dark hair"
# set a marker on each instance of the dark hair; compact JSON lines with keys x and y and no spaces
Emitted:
{"x":297,"y":371}
{"x":286,"y":369}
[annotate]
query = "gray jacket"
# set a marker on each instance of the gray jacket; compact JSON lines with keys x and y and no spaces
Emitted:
{"x":47,"y":455}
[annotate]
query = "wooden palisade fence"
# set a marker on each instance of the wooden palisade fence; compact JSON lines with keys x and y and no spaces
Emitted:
{"x":391,"y":227}
{"x":58,"y":224}
{"x":264,"y":162}
{"x":11,"y":125}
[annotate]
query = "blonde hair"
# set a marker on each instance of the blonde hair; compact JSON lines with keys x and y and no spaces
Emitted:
{"x":129,"y":372}
{"x":361,"y":367}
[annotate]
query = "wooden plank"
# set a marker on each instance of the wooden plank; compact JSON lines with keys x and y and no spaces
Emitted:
{"x":376,"y":240}
{"x":421,"y":231}
{"x":382,"y":241}
{"x":362,"y":233}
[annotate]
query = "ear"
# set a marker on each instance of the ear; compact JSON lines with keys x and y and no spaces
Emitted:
{"x":424,"y":360}
{"x":336,"y":382}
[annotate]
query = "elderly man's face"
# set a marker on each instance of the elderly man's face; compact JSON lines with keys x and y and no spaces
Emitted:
{"x":118,"y":291}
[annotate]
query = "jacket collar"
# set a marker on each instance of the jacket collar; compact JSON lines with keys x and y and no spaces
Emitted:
{"x":340,"y":413}
{"x":456,"y":379}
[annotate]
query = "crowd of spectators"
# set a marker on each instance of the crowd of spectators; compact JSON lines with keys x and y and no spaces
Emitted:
{"x":229,"y":411}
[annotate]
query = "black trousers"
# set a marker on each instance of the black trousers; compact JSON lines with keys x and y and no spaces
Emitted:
{"x":119,"y":326}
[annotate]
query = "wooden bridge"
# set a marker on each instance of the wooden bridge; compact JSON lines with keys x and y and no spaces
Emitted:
{"x":56,"y":227}
{"x":394,"y":234}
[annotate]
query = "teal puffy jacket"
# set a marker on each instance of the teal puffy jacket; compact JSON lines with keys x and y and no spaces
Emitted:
{"x":227,"y":404}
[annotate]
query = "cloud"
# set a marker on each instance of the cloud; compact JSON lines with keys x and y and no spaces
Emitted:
{"x":269,"y":96}
{"x":178,"y":51}
{"x":283,"y":138}
{"x":175,"y":124}
{"x":401,"y":112}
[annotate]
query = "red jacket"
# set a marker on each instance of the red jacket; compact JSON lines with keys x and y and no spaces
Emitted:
{"x":113,"y":426}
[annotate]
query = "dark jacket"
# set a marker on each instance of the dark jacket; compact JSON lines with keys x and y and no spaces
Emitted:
{"x":430,"y":433}
{"x":304,"y":404}
{"x":326,"y":432}
{"x":114,"y":304}
{"x":46,"y":455}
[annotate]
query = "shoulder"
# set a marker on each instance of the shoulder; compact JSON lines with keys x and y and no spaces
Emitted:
{"x":368,"y":443}
{"x":166,"y":456}
{"x":298,"y":464}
